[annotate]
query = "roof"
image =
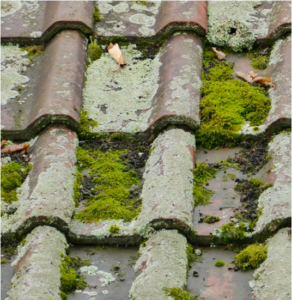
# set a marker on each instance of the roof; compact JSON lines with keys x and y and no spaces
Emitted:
{"x":62,"y":101}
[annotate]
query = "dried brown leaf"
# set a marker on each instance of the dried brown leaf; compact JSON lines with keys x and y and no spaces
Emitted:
{"x":116,"y":53}
{"x":246,"y":77}
{"x":253,"y":74}
{"x":16,"y":148}
{"x":220,"y":55}
{"x":264,"y":81}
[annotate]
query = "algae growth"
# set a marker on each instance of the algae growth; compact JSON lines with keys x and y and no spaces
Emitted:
{"x":227,"y":104}
{"x":111,"y":179}
{"x":12,"y":176}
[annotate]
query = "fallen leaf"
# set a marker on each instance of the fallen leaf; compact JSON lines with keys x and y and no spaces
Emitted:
{"x":264,"y":81}
{"x":116,"y":53}
{"x":246,"y":77}
{"x":2,"y":143}
{"x":252,"y":77}
{"x":220,"y":55}
{"x":16,"y":148}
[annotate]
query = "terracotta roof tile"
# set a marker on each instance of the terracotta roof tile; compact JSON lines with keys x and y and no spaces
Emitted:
{"x":53,"y":90}
{"x":36,"y":22}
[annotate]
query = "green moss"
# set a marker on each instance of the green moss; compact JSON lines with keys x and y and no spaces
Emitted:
{"x":227,"y":104}
{"x":70,"y":279}
{"x":178,"y":293}
{"x":258,"y":62}
{"x":210,"y":219}
{"x":77,"y":185}
{"x":190,"y":255}
{"x":34,"y":50}
{"x":112,"y":179}
{"x":251,"y":257}
{"x":232,"y":232}
{"x":12,"y":176}
{"x":202,"y":173}
{"x":114,"y":229}
{"x":96,"y":15}
{"x":94,"y":52}
{"x":144,"y":3}
{"x":254,"y":185}
{"x":228,"y":176}
{"x":219,"y":263}
{"x":86,"y":126}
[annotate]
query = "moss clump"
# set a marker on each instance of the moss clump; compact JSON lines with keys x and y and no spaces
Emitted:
{"x":77,"y":185}
{"x":34,"y":50}
{"x":227,"y":104}
{"x":178,"y":293}
{"x":232,"y":232}
{"x":12,"y":176}
{"x":258,"y":62}
{"x":94,"y":52}
{"x":96,"y":15}
{"x":251,"y":257}
{"x":114,"y":229}
{"x":228,"y":176}
{"x":112,"y":179}
{"x":202,"y":173}
{"x":85,"y":126}
{"x":209,"y":219}
{"x":144,"y":3}
{"x":190,"y":255}
{"x":70,"y":279}
{"x":219,"y":263}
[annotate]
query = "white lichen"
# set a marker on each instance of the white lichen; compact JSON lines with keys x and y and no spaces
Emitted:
{"x":9,"y":7}
{"x":121,"y":101}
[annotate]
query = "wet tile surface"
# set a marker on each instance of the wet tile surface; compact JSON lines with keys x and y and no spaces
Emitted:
{"x":110,"y":273}
{"x":218,"y":283}
{"x":7,"y":272}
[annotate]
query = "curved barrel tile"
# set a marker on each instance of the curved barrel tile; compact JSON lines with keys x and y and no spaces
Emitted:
{"x":37,"y":266}
{"x":53,"y":93}
{"x":278,"y":18}
{"x":35,"y":22}
{"x":46,"y":197}
{"x":177,"y":100}
{"x":167,"y":194}
{"x":162,"y":264}
{"x":275,"y":202}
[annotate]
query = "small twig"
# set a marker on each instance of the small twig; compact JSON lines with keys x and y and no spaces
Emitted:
{"x":208,"y":285}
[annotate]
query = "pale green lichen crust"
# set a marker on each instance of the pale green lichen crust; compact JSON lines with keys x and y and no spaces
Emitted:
{"x":168,"y":185}
{"x":38,"y":274}
{"x":162,"y":264}
{"x":9,"y":7}
{"x":275,"y":202}
{"x":139,"y":14}
{"x":235,"y":24}
{"x":121,"y":101}
{"x":13,"y":65}
{"x":273,"y":276}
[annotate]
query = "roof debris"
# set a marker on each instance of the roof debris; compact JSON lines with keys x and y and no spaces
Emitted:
{"x":116,"y":54}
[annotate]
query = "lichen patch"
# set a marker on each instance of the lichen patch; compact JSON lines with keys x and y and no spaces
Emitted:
{"x":126,"y":95}
{"x":9,"y":7}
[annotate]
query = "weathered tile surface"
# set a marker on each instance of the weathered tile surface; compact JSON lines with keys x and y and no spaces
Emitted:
{"x":239,"y":24}
{"x":37,"y":266}
{"x":167,"y":198}
{"x":150,"y":19}
{"x":275,"y":202}
{"x":146,"y":93}
{"x":217,"y":283}
{"x":46,"y":196}
{"x":272,"y":278}
{"x":50,"y":93}
{"x":35,"y":22}
{"x":110,"y":273}
{"x":162,"y":263}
